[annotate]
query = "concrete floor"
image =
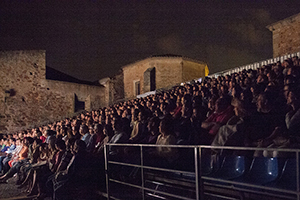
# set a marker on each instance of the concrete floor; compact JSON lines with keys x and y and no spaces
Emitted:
{"x":9,"y":191}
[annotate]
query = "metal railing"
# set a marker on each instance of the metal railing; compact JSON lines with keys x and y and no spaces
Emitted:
{"x":255,"y":65}
{"x":199,"y":181}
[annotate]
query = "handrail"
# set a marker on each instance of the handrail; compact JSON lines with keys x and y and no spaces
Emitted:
{"x":207,"y":147}
{"x":255,"y":65}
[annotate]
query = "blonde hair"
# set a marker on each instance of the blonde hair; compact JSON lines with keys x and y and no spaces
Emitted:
{"x":242,"y":112}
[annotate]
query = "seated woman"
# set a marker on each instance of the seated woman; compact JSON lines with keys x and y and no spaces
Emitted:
{"x":232,"y":133}
{"x":119,"y":137}
{"x":139,"y":131}
{"x":167,"y":154}
{"x":108,"y":134}
{"x":153,"y":131}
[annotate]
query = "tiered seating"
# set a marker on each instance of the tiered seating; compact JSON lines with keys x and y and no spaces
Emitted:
{"x":197,"y":114}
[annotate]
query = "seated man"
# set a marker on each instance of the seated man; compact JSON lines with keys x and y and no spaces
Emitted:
{"x":84,"y":132}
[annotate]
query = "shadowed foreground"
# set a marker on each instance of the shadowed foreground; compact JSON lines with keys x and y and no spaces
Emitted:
{"x":9,"y":191}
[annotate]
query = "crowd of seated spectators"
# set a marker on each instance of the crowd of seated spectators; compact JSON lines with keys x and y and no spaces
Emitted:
{"x":252,"y":108}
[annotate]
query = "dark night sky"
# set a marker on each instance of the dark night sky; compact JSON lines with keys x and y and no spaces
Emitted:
{"x":91,"y":40}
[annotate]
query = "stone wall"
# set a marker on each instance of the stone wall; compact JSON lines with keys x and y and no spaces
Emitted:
{"x":117,"y":88}
{"x":28,"y":99}
{"x":192,"y":70}
{"x":286,"y":36}
{"x":133,"y":73}
{"x":93,"y":96}
{"x":169,"y":71}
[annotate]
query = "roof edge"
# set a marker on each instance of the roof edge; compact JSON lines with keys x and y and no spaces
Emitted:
{"x":271,"y":26}
{"x":163,"y":56}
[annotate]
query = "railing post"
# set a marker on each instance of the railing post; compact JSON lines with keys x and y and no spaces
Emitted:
{"x":142,"y":173}
{"x":297,"y":174}
{"x":106,"y":170}
{"x":199,"y":185}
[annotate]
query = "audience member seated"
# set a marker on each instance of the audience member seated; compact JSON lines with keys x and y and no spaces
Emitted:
{"x":19,"y":162}
{"x":287,"y":135}
{"x":84,"y":132}
{"x":139,"y":131}
{"x":12,"y":156}
{"x":153,"y":131}
{"x":167,"y":154}
{"x":223,"y":112}
{"x":232,"y":134}
{"x":263,"y":122}
{"x":119,"y":137}
{"x":76,"y":175}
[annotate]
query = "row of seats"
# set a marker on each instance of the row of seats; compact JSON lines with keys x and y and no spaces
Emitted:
{"x":232,"y":172}
{"x":275,"y":172}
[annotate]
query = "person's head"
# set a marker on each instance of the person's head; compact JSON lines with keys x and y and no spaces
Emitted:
{"x":91,"y":129}
{"x":238,"y":108}
{"x":60,"y":144}
{"x":79,"y":146}
{"x":83,"y":129}
{"x":166,"y":126}
{"x":98,"y":128}
{"x":49,"y":133}
{"x":6,"y":142}
{"x":293,"y":97}
{"x":223,"y":90}
{"x":289,"y":80}
{"x":18,"y":142}
{"x":135,"y":113}
{"x":125,"y":113}
{"x":51,"y":143}
{"x":29,"y":140}
{"x":12,"y":141}
{"x":286,"y":90}
{"x":108,"y":130}
{"x":222,"y":103}
{"x":36,"y":142}
{"x":117,"y":125}
{"x":142,"y":115}
{"x":153,"y":125}
{"x":261,"y":79}
{"x":265,"y":101}
{"x":196,"y":112}
{"x":212,"y":102}
{"x":38,"y":133}
{"x":197,"y":101}
{"x":287,"y":63}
